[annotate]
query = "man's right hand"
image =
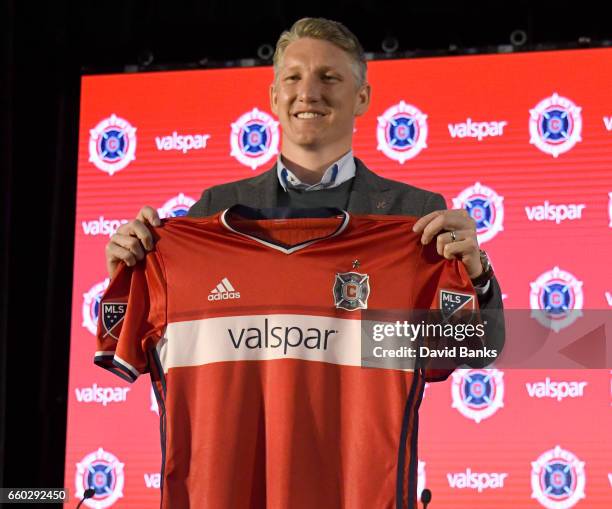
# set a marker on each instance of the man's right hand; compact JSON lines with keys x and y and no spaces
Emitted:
{"x":131,"y":240}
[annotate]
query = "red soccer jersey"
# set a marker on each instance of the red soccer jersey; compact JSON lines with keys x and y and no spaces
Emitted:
{"x":250,"y":329}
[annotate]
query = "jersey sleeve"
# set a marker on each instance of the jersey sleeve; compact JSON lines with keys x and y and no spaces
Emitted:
{"x":131,"y":318}
{"x":450,"y":296}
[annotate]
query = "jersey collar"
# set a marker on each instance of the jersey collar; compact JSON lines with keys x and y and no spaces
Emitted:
{"x":284,"y":213}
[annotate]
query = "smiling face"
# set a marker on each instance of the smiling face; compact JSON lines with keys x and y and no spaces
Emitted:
{"x":316,"y":98}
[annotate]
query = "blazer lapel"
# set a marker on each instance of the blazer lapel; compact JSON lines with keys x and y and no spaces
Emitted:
{"x":370,"y":194}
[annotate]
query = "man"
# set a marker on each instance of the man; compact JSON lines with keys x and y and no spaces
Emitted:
{"x":319,"y":88}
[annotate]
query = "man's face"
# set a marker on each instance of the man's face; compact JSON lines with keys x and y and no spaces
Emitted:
{"x":316,"y":96}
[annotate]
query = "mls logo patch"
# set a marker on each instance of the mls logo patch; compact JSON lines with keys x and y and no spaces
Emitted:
{"x":451,"y":302}
{"x":113,"y":314}
{"x":351,"y":291}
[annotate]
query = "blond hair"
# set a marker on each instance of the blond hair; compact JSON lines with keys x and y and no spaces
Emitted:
{"x":325,"y":30}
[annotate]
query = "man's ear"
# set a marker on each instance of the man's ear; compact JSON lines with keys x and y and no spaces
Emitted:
{"x":273,"y":99}
{"x":363,"y":99}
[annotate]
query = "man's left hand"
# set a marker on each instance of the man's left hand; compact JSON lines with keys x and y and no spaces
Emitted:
{"x":456,"y":237}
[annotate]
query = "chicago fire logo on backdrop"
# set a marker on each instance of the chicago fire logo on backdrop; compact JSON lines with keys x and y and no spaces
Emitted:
{"x":351,"y":290}
{"x":254,"y":139}
{"x":477,"y":393}
{"x":91,"y":305}
{"x":402,"y":132}
{"x":485,"y":207}
{"x":112,"y":144}
{"x":556,"y":298}
{"x":555,"y":125}
{"x":102,"y":472}
{"x":557,"y":479}
{"x":176,"y":207}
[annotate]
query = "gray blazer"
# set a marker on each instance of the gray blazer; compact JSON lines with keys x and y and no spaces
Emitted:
{"x":370,"y":194}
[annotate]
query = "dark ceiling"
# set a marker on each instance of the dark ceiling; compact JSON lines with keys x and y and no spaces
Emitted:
{"x":112,"y":34}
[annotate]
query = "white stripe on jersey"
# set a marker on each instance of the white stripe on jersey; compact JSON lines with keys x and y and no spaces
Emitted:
{"x":264,"y":337}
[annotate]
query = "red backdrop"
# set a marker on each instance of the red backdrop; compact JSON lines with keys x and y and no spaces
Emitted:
{"x":524,"y":141}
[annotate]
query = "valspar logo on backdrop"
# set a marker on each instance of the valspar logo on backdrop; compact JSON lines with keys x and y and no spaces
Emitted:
{"x":608,"y":123}
{"x":478,"y":481}
{"x":153,"y":480}
{"x":102,"y":226}
{"x":478,"y":130}
{"x":254,"y":138}
{"x":557,"y":479}
{"x":102,"y":395}
{"x":102,"y":472}
{"x":555,"y":125}
{"x":485,"y":207}
{"x":176,"y":207}
{"x":91,"y":305}
{"x":402,"y":132}
{"x":182,"y":142}
{"x":556,"y":298}
{"x":112,"y":144}
{"x":556,"y":213}
{"x":555,"y":390}
{"x":477,"y":393}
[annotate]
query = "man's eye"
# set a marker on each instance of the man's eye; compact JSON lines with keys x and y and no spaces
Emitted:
{"x":293,"y":77}
{"x":329,"y":77}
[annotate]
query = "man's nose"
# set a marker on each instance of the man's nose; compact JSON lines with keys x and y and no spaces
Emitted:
{"x":309,"y":89}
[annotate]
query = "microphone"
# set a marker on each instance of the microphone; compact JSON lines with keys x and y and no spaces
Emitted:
{"x":88,"y":493}
{"x":426,"y":497}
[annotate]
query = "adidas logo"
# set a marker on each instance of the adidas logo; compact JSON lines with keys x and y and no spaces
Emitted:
{"x":223,"y":291}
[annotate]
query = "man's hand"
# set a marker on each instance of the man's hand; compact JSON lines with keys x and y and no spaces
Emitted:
{"x":131,"y":240}
{"x":457,"y":224}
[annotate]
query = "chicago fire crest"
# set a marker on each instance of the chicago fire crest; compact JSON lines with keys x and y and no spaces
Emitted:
{"x":351,"y":290}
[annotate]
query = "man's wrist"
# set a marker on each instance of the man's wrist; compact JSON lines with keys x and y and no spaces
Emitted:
{"x":482,"y":282}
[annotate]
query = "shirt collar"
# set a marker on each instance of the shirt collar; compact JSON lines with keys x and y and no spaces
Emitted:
{"x":338,"y":173}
